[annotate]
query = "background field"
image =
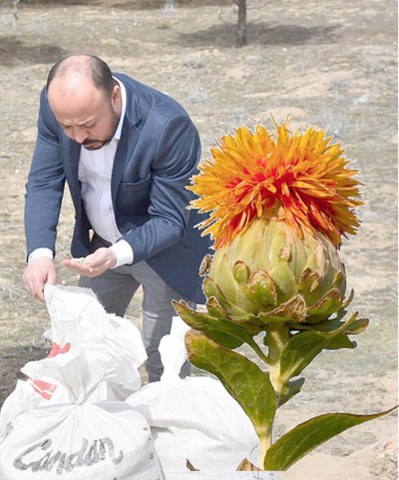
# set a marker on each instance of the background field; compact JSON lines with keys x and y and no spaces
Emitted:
{"x":327,"y":64}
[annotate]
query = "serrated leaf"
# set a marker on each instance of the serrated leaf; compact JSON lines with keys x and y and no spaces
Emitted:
{"x":340,"y":341}
{"x":299,"y":352}
{"x":243,"y":379}
{"x":348,"y":300}
{"x":291,"y":389}
{"x":301,"y":349}
{"x":228,"y":335}
{"x":305,"y":437}
{"x":356,"y":327}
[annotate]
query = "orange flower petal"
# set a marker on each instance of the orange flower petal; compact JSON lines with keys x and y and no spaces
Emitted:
{"x":300,"y":177}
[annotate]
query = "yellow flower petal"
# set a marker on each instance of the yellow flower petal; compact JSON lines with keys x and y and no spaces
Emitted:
{"x":302,"y":178}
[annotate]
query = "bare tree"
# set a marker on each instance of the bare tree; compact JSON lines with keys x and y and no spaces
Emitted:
{"x":15,"y":11}
{"x":241,"y":35}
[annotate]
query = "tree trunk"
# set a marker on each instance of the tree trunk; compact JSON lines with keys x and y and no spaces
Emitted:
{"x":241,"y":38}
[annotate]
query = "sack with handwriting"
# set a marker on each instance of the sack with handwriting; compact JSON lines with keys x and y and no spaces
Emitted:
{"x":193,"y":418}
{"x":53,"y":426}
{"x":76,"y":440}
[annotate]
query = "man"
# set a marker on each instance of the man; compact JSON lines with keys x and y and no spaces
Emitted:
{"x":127,"y":153}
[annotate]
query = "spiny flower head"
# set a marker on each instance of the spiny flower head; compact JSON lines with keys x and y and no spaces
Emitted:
{"x":301,"y":179}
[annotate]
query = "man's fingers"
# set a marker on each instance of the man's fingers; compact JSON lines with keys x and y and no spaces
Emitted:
{"x":39,"y":272}
{"x":94,"y":264}
{"x":52,"y":278}
{"x":40,"y":295}
{"x":35,"y":288}
{"x":78,"y":267}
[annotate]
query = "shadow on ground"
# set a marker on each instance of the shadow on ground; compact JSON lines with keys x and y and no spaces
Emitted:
{"x":13,"y":51}
{"x":160,"y":4}
{"x":129,"y":4}
{"x":63,"y":3}
{"x":261,"y":33}
{"x":11,"y":362}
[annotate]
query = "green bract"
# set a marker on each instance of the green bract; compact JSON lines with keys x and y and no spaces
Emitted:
{"x":268,"y":274}
{"x":292,"y":289}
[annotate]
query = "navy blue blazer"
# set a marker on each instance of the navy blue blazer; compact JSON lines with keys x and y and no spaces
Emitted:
{"x":156,"y":156}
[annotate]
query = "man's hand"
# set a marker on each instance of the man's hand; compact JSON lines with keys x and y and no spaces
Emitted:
{"x":40,"y":271}
{"x":93,"y":265}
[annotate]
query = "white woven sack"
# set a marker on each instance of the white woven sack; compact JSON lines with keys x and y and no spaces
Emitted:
{"x":75,"y":442}
{"x":78,"y":321}
{"x":75,"y":439}
{"x":193,"y":418}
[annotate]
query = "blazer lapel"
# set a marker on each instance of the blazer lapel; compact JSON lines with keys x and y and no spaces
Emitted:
{"x":127,"y":143}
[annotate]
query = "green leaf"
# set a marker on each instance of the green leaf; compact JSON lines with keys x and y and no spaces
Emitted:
{"x":243,"y":379}
{"x":340,"y":341}
{"x":305,"y":437}
{"x":290,"y":389}
{"x":299,"y":352}
{"x":356,"y":327}
{"x":301,"y":349}
{"x":217,"y":326}
{"x":226,"y":334}
{"x":241,"y":331}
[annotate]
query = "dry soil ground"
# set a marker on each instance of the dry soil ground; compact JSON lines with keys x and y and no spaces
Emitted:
{"x":328,"y":64}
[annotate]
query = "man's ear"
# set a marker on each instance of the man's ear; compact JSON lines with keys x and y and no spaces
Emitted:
{"x":116,"y":97}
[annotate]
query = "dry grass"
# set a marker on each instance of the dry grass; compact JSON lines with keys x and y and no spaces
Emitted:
{"x":328,"y":64}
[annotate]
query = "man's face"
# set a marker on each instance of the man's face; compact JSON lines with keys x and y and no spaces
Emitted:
{"x":86,"y":114}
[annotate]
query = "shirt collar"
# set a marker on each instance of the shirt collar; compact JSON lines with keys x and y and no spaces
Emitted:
{"x":118,"y":131}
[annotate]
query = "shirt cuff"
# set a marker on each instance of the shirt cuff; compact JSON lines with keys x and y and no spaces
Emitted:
{"x":41,"y":252}
{"x":124,"y":253}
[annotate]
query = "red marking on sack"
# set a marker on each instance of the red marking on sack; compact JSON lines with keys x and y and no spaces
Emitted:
{"x":57,"y":349}
{"x":44,"y":389}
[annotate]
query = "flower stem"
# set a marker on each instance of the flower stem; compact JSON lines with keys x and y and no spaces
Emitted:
{"x":277,"y":335}
{"x":265,"y":442}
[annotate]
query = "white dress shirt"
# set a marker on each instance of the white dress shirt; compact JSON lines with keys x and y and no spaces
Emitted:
{"x":95,"y":172}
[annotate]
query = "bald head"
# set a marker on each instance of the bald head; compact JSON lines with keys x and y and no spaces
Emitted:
{"x":85,"y":99}
{"x":88,"y":67}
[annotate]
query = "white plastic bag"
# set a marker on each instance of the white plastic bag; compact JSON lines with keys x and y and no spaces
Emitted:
{"x":193,"y":418}
{"x":78,"y":320}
